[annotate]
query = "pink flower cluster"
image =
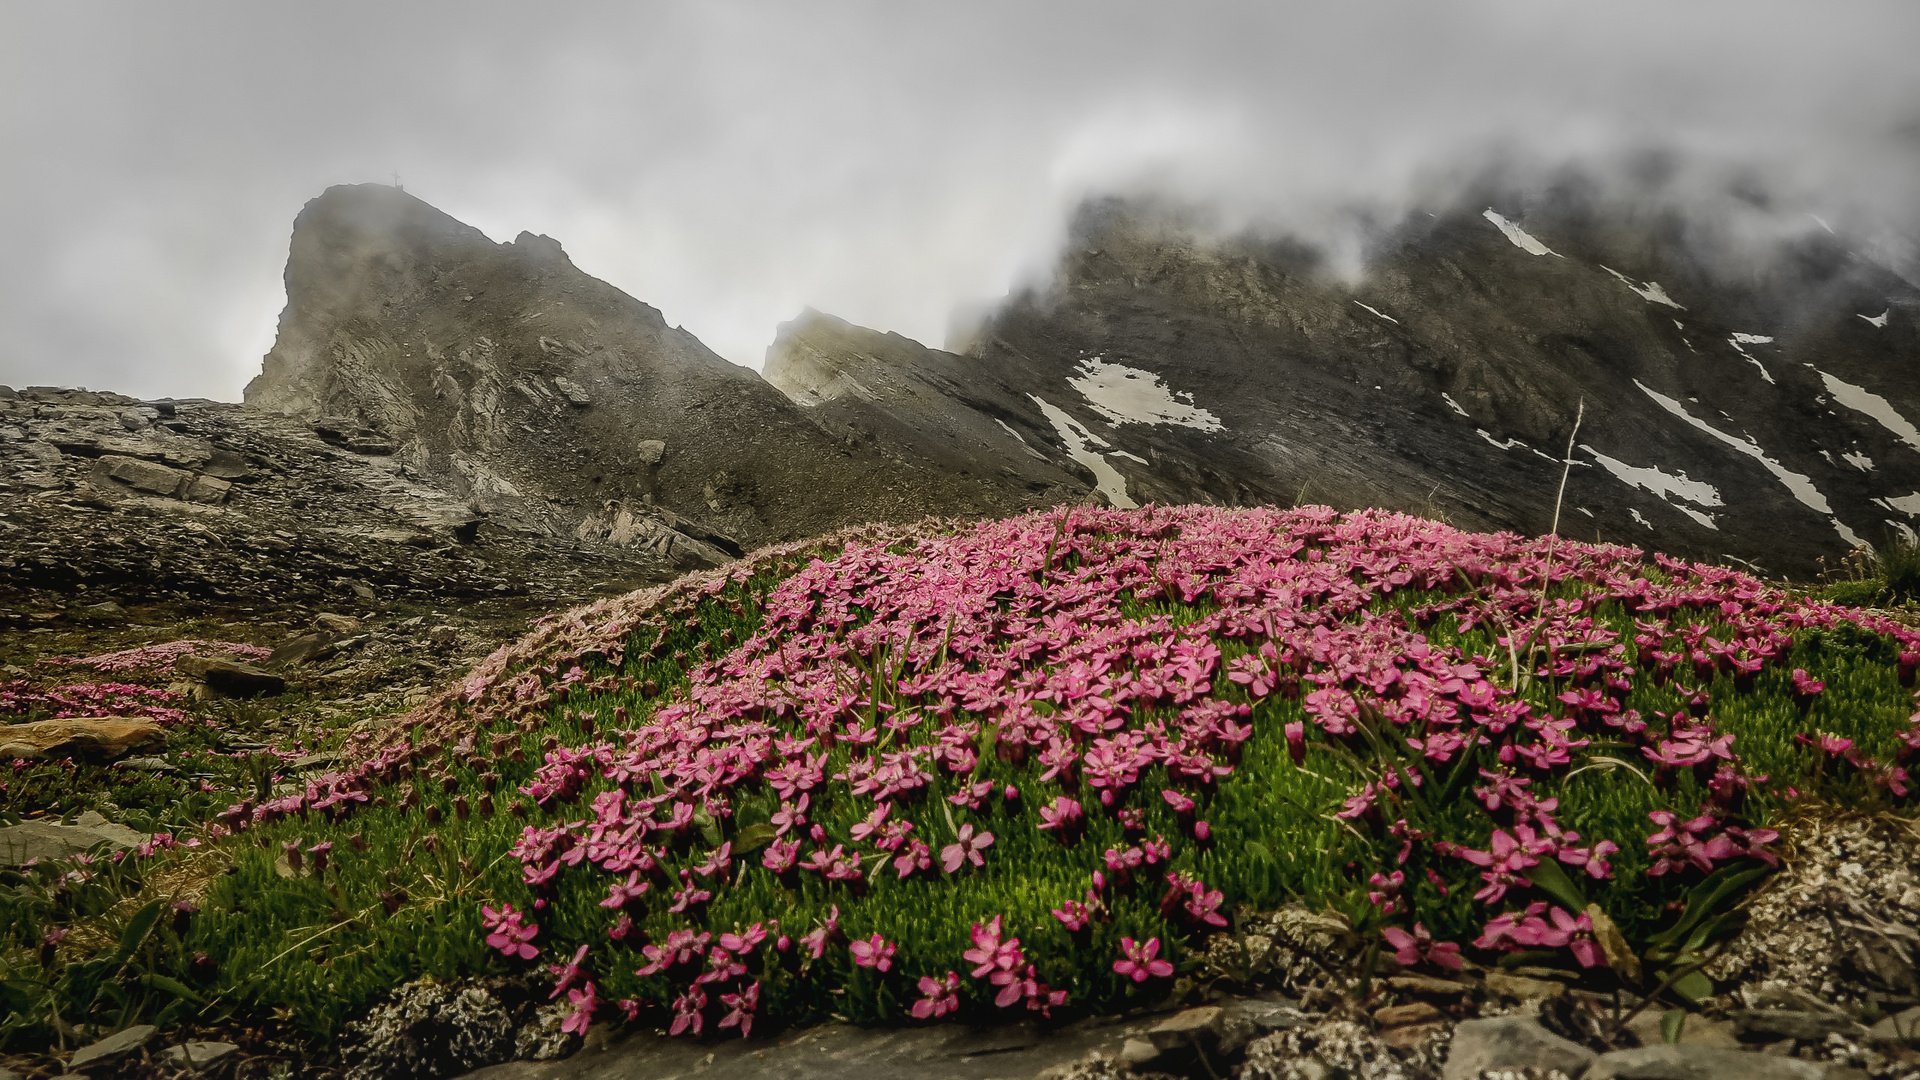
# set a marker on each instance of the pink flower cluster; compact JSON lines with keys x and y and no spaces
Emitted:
{"x":882,"y":680}
{"x":21,"y":698}
{"x":151,"y":658}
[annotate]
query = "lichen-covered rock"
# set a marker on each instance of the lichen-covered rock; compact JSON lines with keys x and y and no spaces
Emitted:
{"x":431,"y":1029}
{"x":1333,"y":1048}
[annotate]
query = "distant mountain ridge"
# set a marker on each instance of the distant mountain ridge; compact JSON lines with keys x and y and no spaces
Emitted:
{"x":1767,"y":419}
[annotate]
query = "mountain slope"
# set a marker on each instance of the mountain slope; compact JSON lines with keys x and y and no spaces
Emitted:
{"x":552,"y":399}
{"x":1763,"y":416}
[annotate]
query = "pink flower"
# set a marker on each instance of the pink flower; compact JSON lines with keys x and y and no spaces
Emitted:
{"x":1138,"y":961}
{"x":916,"y":857}
{"x":938,"y":998}
{"x":740,"y":1008}
{"x":1419,"y":946}
{"x":508,"y":933}
{"x":1063,"y":817}
{"x":686,"y":1011}
{"x":584,"y":1005}
{"x":997,"y":959}
{"x":967,"y":848}
{"x":566,"y":972}
{"x":875,"y":952}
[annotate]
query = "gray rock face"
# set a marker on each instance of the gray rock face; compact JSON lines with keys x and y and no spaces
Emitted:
{"x":504,"y":375}
{"x":1511,"y":1042}
{"x":1699,"y":1063}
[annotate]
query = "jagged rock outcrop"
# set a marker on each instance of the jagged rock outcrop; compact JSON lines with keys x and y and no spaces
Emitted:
{"x":552,"y":400}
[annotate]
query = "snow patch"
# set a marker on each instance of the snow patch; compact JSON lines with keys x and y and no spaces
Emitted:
{"x":1739,"y":340}
{"x":1125,"y":395}
{"x":1905,"y":504}
{"x":1858,"y":461}
{"x":1024,"y":445}
{"x":1865,"y":401}
{"x":1651,"y":292}
{"x":1878,"y":321}
{"x":1635,"y":511}
{"x":1800,"y":486}
{"x":1663,"y":484}
{"x":1452,"y":404}
{"x":1584,"y":510}
{"x":1497,"y":444}
{"x":1380,"y":313}
{"x":1131,"y":457}
{"x":1520,"y":237}
{"x":1905,"y":530}
{"x":1078,"y":441}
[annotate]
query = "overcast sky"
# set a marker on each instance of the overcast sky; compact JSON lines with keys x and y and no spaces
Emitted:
{"x":890,"y":162}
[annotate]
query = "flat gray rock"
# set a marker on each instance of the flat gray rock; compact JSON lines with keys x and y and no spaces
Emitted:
{"x":1700,"y":1063}
{"x":112,"y":1046}
{"x":841,"y":1052}
{"x":197,"y":1054}
{"x":47,"y":840}
{"x":1511,"y":1042}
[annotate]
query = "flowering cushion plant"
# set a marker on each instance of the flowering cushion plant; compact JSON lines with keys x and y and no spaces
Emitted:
{"x":1030,"y":764}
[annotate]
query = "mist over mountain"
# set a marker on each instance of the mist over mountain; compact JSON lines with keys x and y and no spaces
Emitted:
{"x":735,"y":162}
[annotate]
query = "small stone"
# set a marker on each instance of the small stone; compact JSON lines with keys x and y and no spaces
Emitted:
{"x":1697,"y":1031}
{"x":1511,"y":1042}
{"x":1421,"y":984}
{"x":112,"y":1046}
{"x":1522,"y":988}
{"x":336,"y":624}
{"x":197,"y":1054}
{"x":651,"y":452}
{"x":1668,"y":1062}
{"x":575,"y":393}
{"x":1185,"y":1027}
{"x":1765,"y":1025}
{"x":1409,"y":1025}
{"x":1138,"y":1052}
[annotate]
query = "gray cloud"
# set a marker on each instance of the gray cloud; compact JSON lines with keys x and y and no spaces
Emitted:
{"x":732,"y":162}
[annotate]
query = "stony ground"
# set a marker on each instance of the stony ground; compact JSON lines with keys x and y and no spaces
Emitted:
{"x":378,"y":591}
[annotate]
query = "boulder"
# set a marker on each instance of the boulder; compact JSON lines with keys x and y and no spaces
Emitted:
{"x":304,"y":649}
{"x":336,"y":624}
{"x":231,"y":677}
{"x":1511,"y":1043}
{"x":206,"y":489}
{"x":1683,"y":1062}
{"x":46,"y":840}
{"x":144,"y":475}
{"x":93,"y":736}
{"x":650,"y":452}
{"x":575,"y":393}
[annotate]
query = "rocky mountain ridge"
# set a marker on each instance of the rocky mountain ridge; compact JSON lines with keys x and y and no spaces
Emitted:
{"x":1768,"y":420}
